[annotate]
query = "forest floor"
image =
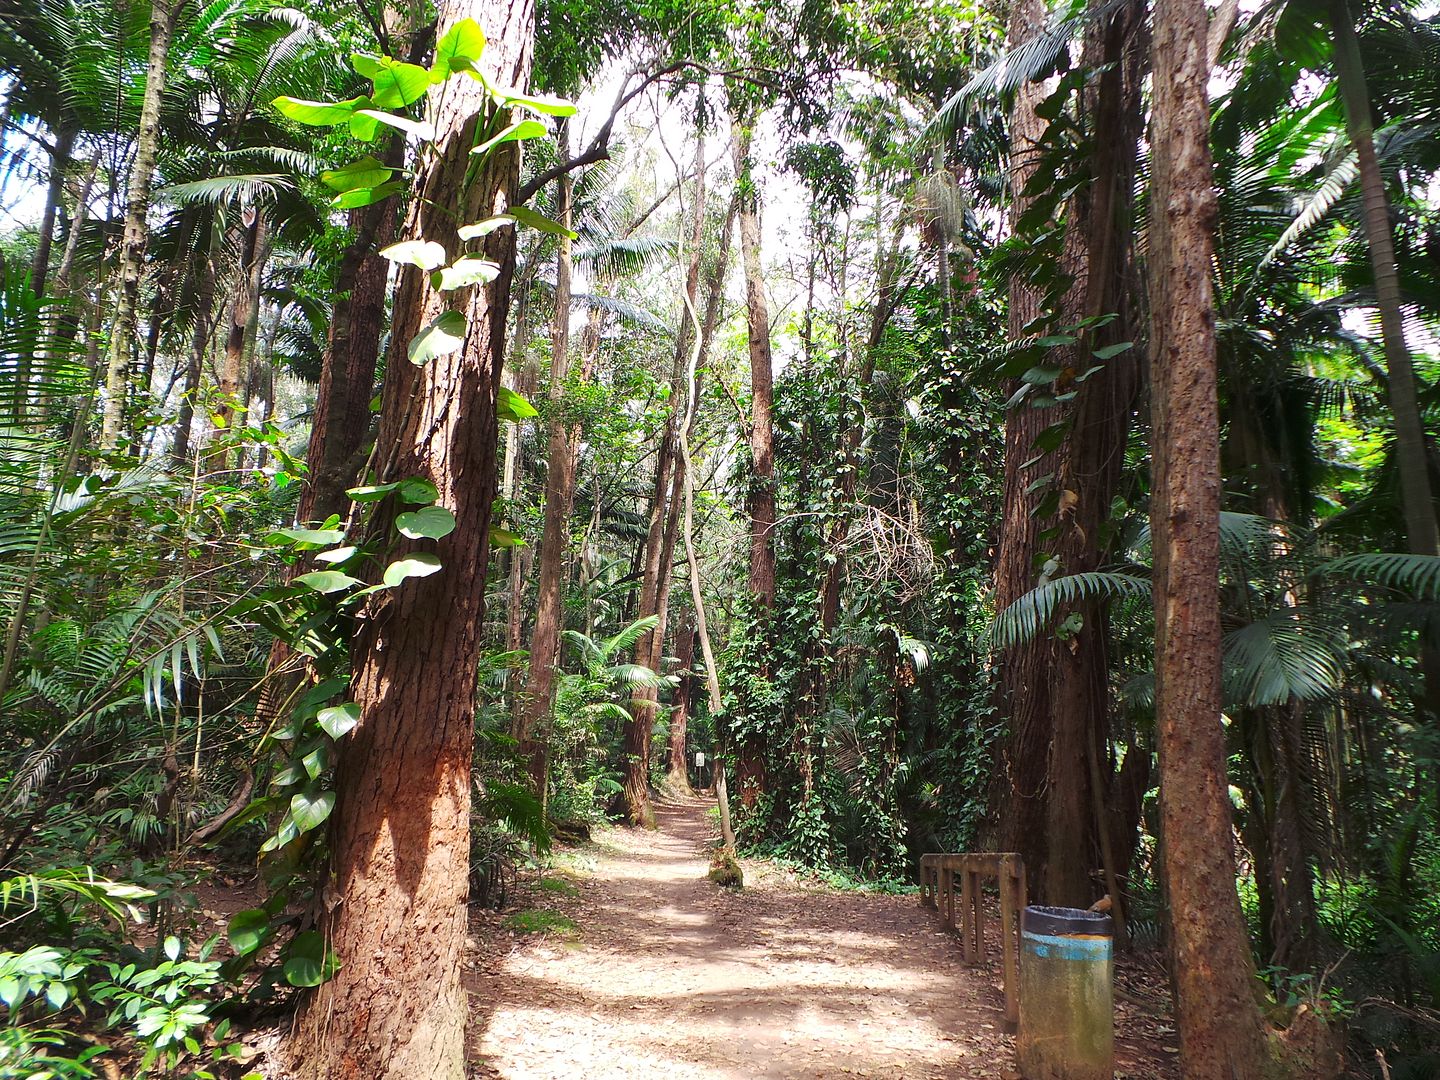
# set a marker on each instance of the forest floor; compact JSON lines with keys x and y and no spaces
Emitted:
{"x":667,"y":975}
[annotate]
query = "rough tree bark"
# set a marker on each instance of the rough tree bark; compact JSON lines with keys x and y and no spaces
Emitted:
{"x":243,"y":305}
{"x":1057,"y":693}
{"x":1221,"y":1031}
{"x":133,"y":242}
{"x":400,"y":833}
{"x":59,"y":162}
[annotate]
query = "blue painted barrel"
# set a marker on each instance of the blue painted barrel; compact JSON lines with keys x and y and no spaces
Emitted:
{"x":1067,"y":1002}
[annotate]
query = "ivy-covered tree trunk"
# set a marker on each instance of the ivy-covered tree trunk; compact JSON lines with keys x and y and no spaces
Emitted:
{"x":1221,"y":1030}
{"x":136,"y":234}
{"x":1056,"y":691}
{"x":395,"y":912}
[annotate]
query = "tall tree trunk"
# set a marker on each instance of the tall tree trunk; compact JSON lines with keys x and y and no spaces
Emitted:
{"x":1416,"y":497}
{"x":195,"y":358}
{"x":54,"y":191}
{"x":1221,"y":1030}
{"x":1058,"y":692}
{"x":137,"y":205}
{"x":559,"y":498}
{"x":761,"y":496}
{"x":400,"y":833}
{"x":660,"y":536}
{"x":242,"y":307}
{"x":341,"y":417}
{"x":678,"y":772}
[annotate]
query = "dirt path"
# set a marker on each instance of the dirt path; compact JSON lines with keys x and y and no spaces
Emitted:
{"x":672,"y":977}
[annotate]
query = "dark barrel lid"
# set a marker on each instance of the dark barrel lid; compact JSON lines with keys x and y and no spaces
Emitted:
{"x":1066,"y":920}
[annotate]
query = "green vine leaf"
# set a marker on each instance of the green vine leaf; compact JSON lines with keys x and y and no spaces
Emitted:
{"x":485,"y":227}
{"x":517,"y":132}
{"x":327,"y":581}
{"x":441,"y":336}
{"x":309,"y":808}
{"x":525,"y":216}
{"x":457,"y":50}
{"x":421,"y":129}
{"x":368,"y":172}
{"x":248,"y":930}
{"x":339,"y":720}
{"x":433,"y":522}
{"x":511,"y":406}
{"x":358,"y":197}
{"x":319,"y":113}
{"x":426,"y":254}
{"x":419,"y":564}
{"x":463,"y":272}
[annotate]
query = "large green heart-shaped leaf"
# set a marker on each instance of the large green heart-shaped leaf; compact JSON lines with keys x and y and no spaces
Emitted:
{"x":248,"y":930}
{"x":319,"y":113}
{"x":426,"y":254}
{"x":430,"y":521}
{"x":421,"y":129}
{"x":485,"y":227}
{"x":397,"y":84}
{"x":516,"y":132}
{"x":365,"y":173}
{"x":339,"y":719}
{"x":310,"y":808}
{"x":307,"y":961}
{"x":465,"y":272}
{"x":525,"y":216}
{"x":366,"y":196}
{"x":458,"y":48}
{"x":327,"y":581}
{"x":441,"y":336}
{"x":420,"y":564}
{"x":511,"y":406}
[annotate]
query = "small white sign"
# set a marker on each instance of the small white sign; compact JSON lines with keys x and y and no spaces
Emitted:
{"x":699,"y":759}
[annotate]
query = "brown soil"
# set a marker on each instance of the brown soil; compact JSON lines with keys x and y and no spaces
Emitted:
{"x":670,"y":976}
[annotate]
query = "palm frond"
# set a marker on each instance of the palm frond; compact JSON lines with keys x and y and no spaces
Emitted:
{"x":1032,"y":614}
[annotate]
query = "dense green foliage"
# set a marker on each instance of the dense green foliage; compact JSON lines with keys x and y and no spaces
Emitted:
{"x":153,"y":746}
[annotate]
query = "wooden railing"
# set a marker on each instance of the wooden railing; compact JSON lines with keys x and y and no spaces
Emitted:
{"x":937,"y":890}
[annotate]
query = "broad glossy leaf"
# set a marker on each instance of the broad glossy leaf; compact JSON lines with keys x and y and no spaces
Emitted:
{"x":463,"y":42}
{"x":463,"y":272}
{"x":307,"y":963}
{"x":319,"y":113}
{"x":351,"y":200}
{"x":516,"y":132}
{"x":398,"y":84}
{"x":441,"y":336}
{"x":306,"y":536}
{"x":504,"y":538}
{"x":248,"y":930}
{"x":365,"y":173}
{"x":433,"y":522}
{"x":525,"y":216}
{"x":417,"y":491}
{"x":337,"y":555}
{"x":421,"y":129}
{"x":327,"y":581}
{"x":486,"y":227}
{"x":511,"y":406}
{"x":339,"y":720}
{"x":419,"y":564}
{"x":426,"y":254}
{"x":309,"y":808}
{"x":540,"y":103}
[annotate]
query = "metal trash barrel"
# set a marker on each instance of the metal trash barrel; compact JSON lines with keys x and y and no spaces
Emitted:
{"x":1067,"y":1002}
